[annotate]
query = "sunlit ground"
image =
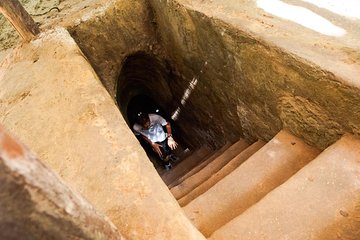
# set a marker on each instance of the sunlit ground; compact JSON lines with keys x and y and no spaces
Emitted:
{"x":347,"y":8}
{"x":311,"y":20}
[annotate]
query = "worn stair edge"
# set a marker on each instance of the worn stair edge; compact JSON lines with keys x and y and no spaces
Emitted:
{"x":195,"y":180}
{"x":320,"y":202}
{"x":227,"y":169}
{"x":200,"y":166}
{"x":271,"y":166}
{"x":181,"y":153}
{"x":186,"y":164}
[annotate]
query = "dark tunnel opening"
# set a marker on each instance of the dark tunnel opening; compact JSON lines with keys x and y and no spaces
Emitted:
{"x":143,"y":87}
{"x":145,"y":104}
{"x":142,"y":84}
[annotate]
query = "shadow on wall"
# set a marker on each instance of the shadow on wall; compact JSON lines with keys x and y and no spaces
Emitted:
{"x":143,"y":103}
{"x":143,"y":80}
{"x":146,"y":83}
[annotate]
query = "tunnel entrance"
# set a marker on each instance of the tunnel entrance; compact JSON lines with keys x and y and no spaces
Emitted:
{"x":145,"y":104}
{"x":143,"y":81}
{"x":143,"y":87}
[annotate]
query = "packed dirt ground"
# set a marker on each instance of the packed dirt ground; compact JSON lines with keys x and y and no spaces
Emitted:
{"x":45,"y":13}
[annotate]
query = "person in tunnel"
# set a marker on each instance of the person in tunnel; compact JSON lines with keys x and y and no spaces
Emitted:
{"x":151,"y":128}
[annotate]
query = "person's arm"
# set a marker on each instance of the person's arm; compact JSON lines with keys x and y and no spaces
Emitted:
{"x":171,"y":142}
{"x":168,"y":129}
{"x":155,"y":146}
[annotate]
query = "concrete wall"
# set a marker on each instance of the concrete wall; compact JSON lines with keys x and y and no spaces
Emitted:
{"x":55,"y":103}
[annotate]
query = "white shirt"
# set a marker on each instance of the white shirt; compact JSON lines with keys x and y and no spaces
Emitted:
{"x":155,"y":132}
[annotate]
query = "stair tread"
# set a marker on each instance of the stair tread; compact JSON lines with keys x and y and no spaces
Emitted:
{"x":200,"y":165}
{"x":269,"y":167}
{"x":227,"y":169}
{"x":186,"y":164}
{"x":321,"y":201}
{"x":190,"y":183}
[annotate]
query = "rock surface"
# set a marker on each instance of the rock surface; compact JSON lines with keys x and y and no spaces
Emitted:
{"x":36,"y":204}
{"x":264,"y":171}
{"x":230,"y":68}
{"x":261,"y":73}
{"x":252,"y":71}
{"x":320,"y":202}
{"x":55,"y":104}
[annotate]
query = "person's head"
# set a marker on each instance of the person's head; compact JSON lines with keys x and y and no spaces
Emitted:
{"x":144,"y":120}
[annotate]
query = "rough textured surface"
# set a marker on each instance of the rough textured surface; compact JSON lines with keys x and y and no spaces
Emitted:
{"x":56,"y":105}
{"x":248,"y":77}
{"x":114,"y":34}
{"x":200,"y":166}
{"x":268,"y":168}
{"x":226,"y":170}
{"x":254,"y":78}
{"x":185,"y":165}
{"x":320,"y":202}
{"x":195,"y":180}
{"x":36,"y":8}
{"x":36,"y":204}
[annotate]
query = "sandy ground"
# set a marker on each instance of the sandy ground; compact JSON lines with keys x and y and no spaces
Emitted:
{"x":8,"y":35}
{"x":46,"y":13}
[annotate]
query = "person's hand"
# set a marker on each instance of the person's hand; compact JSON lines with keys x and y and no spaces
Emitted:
{"x":156,"y":147}
{"x":172,"y":144}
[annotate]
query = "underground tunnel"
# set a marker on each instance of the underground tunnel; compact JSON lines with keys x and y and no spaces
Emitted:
{"x":235,"y":85}
{"x":142,"y":87}
{"x":225,"y":79}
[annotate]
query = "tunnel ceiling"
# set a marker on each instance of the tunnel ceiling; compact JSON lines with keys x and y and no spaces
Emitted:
{"x":143,"y":75}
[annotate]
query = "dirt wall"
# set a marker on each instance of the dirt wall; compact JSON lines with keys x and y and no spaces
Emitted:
{"x":251,"y":87}
{"x":55,"y":103}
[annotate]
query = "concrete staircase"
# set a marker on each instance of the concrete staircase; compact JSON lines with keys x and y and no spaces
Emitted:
{"x":283,"y":189}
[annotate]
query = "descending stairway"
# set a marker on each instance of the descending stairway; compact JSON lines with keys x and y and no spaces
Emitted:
{"x":283,"y":189}
{"x":199,"y":166}
{"x":185,"y":165}
{"x":193,"y":181}
{"x":228,"y":168}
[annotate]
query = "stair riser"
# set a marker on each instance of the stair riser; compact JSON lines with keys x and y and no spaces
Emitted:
{"x":195,"y":180}
{"x":271,"y":166}
{"x":320,"y":202}
{"x":200,"y":166}
{"x":231,"y":166}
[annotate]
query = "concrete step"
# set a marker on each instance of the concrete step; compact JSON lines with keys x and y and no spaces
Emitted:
{"x":185,"y":165}
{"x":200,"y":166}
{"x":195,"y":180}
{"x":271,"y":166}
{"x":322,"y":201}
{"x":231,"y":166}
